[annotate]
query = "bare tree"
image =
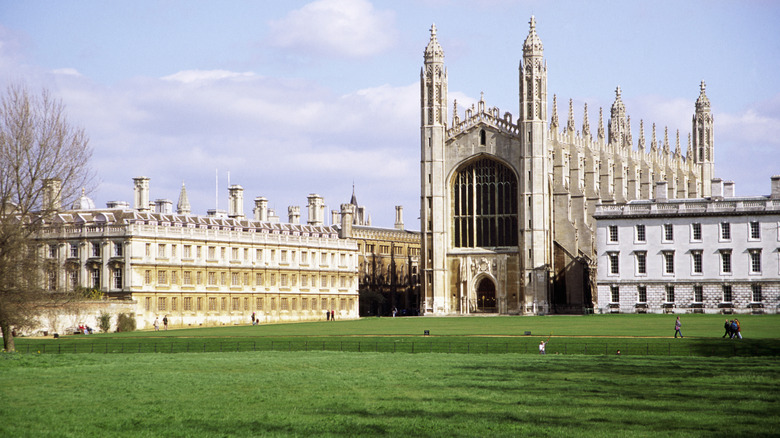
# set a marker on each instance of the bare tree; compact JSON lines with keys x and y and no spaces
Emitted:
{"x":44,"y":163}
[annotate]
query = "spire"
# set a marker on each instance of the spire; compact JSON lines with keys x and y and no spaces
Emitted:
{"x":532,"y":45}
{"x":666,"y":140}
{"x":554,"y":121}
{"x":689,"y":151}
{"x":601,"y":124}
{"x":641,"y":145}
{"x":353,"y":201}
{"x":570,"y":123}
{"x":654,"y":142}
{"x":617,"y":119}
{"x":183,"y":206}
{"x":702,"y":103}
{"x":677,"y":150}
{"x":629,"y":138}
{"x":433,"y":52}
{"x":585,"y":122}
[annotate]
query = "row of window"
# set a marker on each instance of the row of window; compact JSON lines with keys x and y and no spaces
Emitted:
{"x":72,"y":279}
{"x":698,"y":294}
{"x":285,"y":256}
{"x":640,"y":234}
{"x":188,"y":304}
{"x":212,"y":278}
{"x":697,"y":262}
{"x":385,"y":249}
{"x":95,"y":250}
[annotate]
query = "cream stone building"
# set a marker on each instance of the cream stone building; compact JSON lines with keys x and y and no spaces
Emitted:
{"x":507,"y":202}
{"x":204,"y":270}
{"x":717,"y":254}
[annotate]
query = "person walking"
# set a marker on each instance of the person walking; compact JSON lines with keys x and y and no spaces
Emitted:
{"x":253,"y":318}
{"x":727,"y":326}
{"x":327,"y":315}
{"x":165,"y":322}
{"x":739,"y":329}
{"x":677,"y":326}
{"x":156,"y":324}
{"x":332,"y":315}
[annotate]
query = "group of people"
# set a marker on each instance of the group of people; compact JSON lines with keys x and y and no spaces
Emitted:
{"x":732,"y":329}
{"x":157,"y":323}
{"x":255,"y":319}
{"x":330,"y":315}
{"x":85,"y":329}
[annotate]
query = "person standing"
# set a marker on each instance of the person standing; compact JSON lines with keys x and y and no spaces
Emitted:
{"x":156,"y":324}
{"x":727,"y":326}
{"x":677,"y":326}
{"x":253,"y":318}
{"x":332,"y":315}
{"x":543,"y":347}
{"x":165,"y":322}
{"x":327,"y":315}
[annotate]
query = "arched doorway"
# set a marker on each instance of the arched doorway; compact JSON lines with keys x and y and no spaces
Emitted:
{"x":486,"y":296}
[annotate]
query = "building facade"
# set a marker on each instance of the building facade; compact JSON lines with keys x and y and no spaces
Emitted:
{"x":507,"y":203}
{"x":719,"y":254}
{"x":204,"y":270}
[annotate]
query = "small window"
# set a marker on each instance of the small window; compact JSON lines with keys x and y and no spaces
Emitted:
{"x":727,"y":293}
{"x":614,"y":263}
{"x":725,"y":231}
{"x":641,"y":294}
{"x":118,"y":249}
{"x":757,"y":298}
{"x":697,"y":262}
{"x":640,"y":233}
{"x":698,"y":294}
{"x":755,"y":261}
{"x":615,"y":294}
{"x":668,"y":233}
{"x":669,"y":294}
{"x":669,"y":262}
{"x":725,"y":261}
{"x":613,"y":233}
{"x":74,"y":250}
{"x":641,"y":262}
{"x":95,"y":249}
{"x":482,"y":137}
{"x":696,"y":231}
{"x":755,"y":231}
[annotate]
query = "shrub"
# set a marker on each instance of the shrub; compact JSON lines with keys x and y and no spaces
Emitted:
{"x":104,"y":322}
{"x":125,"y":322}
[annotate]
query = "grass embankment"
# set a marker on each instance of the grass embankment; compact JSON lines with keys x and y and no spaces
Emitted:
{"x":368,"y":394}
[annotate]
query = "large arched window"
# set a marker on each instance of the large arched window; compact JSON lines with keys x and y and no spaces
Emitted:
{"x":485,"y":205}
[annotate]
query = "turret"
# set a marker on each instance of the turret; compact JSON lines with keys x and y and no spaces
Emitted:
{"x":703,"y":144}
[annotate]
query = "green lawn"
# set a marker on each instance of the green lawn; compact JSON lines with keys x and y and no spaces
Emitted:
{"x":379,"y":394}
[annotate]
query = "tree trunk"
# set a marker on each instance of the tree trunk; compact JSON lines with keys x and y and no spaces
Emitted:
{"x":8,"y":338}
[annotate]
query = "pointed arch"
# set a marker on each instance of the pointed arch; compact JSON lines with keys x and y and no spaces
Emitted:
{"x":484,"y":205}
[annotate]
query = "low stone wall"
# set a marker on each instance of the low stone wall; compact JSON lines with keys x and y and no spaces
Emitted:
{"x":68,"y":316}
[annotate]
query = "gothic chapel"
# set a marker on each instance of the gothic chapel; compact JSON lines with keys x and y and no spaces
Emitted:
{"x":507,"y":205}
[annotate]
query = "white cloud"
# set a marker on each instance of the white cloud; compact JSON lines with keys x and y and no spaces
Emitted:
{"x":350,"y":28}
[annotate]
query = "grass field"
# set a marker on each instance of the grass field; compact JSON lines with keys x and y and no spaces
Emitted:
{"x":370,"y":394}
{"x":366,"y":393}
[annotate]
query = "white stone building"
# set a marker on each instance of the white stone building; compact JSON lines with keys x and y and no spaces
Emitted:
{"x":204,"y":270}
{"x":719,"y":254}
{"x":507,"y":202}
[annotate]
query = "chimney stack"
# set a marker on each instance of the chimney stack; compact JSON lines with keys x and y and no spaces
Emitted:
{"x":52,"y":194}
{"x":236,"y":202}
{"x":347,"y":211}
{"x":141,"y":191}
{"x":661,"y":193}
{"x":728,"y":189}
{"x":717,"y":188}
{"x":399,"y":217}
{"x":294,"y":214}
{"x":261,"y":209}
{"x":775,"y":187}
{"x":316,"y":210}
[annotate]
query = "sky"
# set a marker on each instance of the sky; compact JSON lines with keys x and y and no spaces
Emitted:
{"x":294,"y":97}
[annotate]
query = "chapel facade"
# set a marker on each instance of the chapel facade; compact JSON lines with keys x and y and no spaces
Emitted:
{"x":507,"y":204}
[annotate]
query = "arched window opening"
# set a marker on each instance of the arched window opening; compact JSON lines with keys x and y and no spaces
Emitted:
{"x":482,"y":137}
{"x":485,"y":205}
